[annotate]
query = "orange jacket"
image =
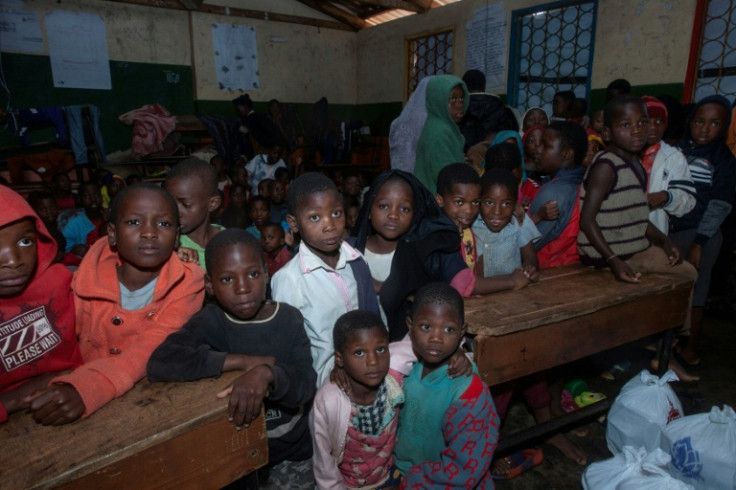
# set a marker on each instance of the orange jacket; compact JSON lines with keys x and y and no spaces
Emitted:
{"x":116,"y":343}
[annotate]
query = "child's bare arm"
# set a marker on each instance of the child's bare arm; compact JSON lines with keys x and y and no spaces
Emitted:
{"x":661,"y":240}
{"x":529,"y":256}
{"x":602,"y":177}
{"x":494,"y":284}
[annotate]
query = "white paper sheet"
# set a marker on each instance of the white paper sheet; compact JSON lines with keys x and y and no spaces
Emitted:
{"x":20,"y":31}
{"x":486,"y":45}
{"x":236,"y":57}
{"x":78,"y":50}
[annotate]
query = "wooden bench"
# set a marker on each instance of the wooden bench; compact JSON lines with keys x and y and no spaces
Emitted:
{"x":571,"y":313}
{"x":158,"y":435}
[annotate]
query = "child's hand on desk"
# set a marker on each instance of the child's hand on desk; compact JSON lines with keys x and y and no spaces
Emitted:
{"x":673,"y":253}
{"x":246,"y":395}
{"x":339,"y":377}
{"x":186,"y":254}
{"x":58,"y":404}
{"x":622,"y":271}
{"x":519,"y":279}
{"x":531,"y":272}
{"x":459,"y":365}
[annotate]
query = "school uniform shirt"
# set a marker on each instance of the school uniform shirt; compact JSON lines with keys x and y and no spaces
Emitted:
{"x":670,"y":173}
{"x":259,"y":169}
{"x":116,"y":343}
{"x":199,"y":350}
{"x":501,"y":251}
{"x":448,"y":431}
{"x":37,"y":332}
{"x":323,"y":294}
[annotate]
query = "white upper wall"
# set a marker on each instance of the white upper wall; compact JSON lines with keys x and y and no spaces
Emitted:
{"x":646,"y":42}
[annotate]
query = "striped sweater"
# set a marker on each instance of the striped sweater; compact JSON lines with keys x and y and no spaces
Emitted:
{"x":624,"y":213}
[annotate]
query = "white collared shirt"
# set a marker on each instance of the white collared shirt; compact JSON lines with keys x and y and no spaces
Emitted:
{"x":322,"y":294}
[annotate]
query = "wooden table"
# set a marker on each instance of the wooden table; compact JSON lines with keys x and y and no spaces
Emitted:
{"x":162,"y":435}
{"x":571,"y":313}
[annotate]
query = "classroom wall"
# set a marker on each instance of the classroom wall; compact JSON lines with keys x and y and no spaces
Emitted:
{"x":645,"y":41}
{"x":152,"y":59}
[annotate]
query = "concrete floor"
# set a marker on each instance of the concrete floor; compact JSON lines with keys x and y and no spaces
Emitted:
{"x":717,"y":372}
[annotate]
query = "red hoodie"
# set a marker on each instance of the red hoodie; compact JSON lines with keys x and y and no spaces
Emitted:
{"x":37,"y":333}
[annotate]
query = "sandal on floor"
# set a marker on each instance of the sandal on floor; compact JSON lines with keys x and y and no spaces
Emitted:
{"x":519,"y":462}
{"x":616,"y":371}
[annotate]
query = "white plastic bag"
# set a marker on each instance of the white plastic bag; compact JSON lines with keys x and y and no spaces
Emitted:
{"x":703,"y":449}
{"x":653,"y":478}
{"x":645,"y":405}
{"x":605,"y":475}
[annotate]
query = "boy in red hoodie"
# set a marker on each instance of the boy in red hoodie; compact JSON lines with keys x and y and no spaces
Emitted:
{"x":37,"y":336}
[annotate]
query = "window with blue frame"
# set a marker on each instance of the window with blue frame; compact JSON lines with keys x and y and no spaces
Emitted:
{"x":716,"y":64}
{"x":551,"y":51}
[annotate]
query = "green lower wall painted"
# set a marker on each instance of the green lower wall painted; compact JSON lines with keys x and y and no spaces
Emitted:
{"x":30,"y":82}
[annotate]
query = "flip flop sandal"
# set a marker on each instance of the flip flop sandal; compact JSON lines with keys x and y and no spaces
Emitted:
{"x":519,"y":462}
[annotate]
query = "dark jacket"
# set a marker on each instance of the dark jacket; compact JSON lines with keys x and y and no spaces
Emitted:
{"x":428,"y":252}
{"x":713,"y":168}
{"x":486,"y":114}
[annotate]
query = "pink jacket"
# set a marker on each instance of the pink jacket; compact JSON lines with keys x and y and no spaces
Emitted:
{"x":116,"y":343}
{"x":329,"y":420}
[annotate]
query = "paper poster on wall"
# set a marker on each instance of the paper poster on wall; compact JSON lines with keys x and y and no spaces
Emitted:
{"x":20,"y":31}
{"x":78,"y":50}
{"x":486,"y":45}
{"x":236,"y":57}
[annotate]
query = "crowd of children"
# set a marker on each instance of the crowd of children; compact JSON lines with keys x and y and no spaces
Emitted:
{"x":341,"y":303}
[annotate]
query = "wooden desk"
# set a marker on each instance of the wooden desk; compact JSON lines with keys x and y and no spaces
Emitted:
{"x":162,"y":435}
{"x":571,"y":313}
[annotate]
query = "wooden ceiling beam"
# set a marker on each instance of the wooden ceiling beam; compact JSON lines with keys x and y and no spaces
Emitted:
{"x":237,"y":12}
{"x":191,"y":4}
{"x":393,"y":4}
{"x":423,"y":5}
{"x":355,"y":22}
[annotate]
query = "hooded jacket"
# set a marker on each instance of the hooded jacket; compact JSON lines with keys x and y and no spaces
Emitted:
{"x":713,"y":169}
{"x":441,"y":142}
{"x":116,"y":343}
{"x":36,"y":325}
{"x":428,"y":251}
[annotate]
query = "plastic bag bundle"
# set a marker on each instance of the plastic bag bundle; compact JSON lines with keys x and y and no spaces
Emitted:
{"x":703,"y":449}
{"x":645,"y":405}
{"x":653,"y":478}
{"x":606,"y":475}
